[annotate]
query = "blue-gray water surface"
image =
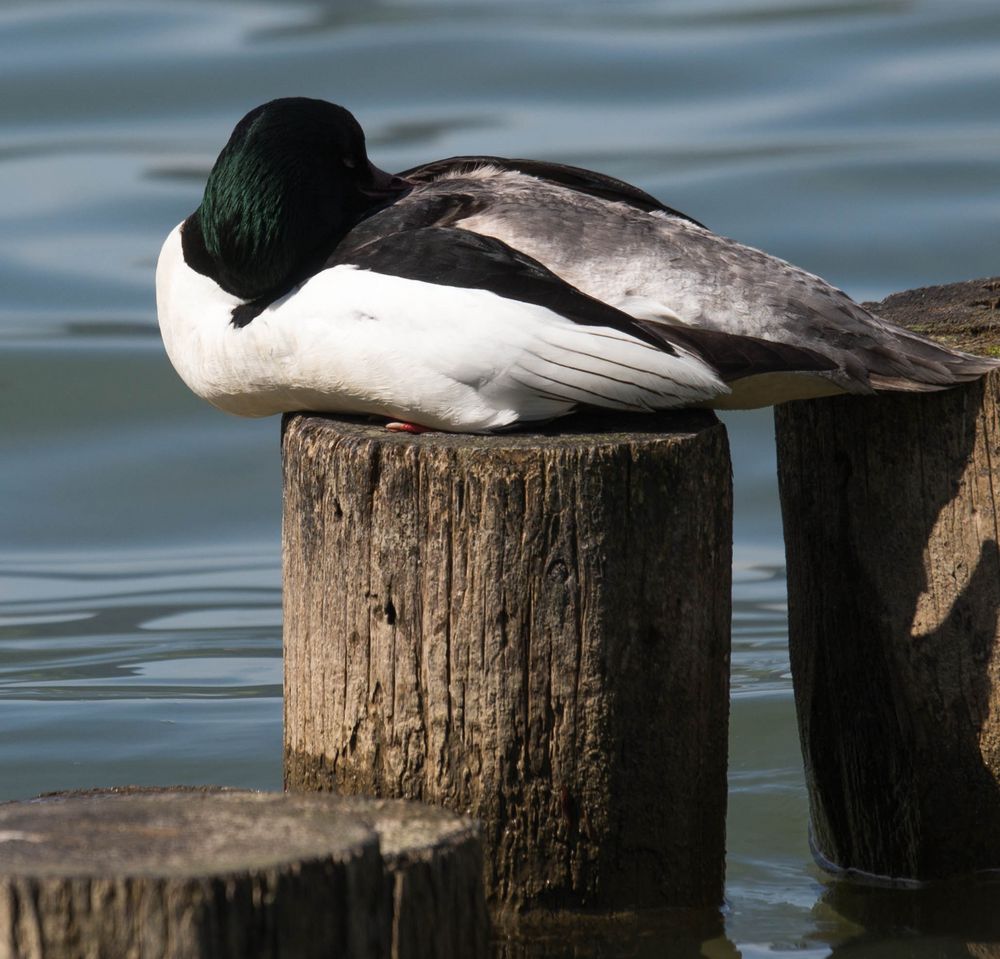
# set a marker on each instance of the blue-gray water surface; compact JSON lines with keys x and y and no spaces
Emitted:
{"x":139,"y":528}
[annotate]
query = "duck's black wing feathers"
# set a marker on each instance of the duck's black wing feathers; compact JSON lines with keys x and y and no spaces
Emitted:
{"x":458,"y":258}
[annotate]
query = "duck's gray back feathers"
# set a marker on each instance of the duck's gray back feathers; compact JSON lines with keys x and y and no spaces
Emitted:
{"x":663,"y":268}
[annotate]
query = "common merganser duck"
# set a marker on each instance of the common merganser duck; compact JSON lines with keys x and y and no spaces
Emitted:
{"x":477,"y":293}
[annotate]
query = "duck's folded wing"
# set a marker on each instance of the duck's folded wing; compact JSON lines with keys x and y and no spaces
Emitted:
{"x":573,"y":177}
{"x":458,"y":258}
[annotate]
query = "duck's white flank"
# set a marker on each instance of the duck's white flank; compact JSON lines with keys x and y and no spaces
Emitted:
{"x":354,"y":341}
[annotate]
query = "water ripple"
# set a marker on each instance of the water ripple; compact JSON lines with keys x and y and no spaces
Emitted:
{"x":139,"y":579}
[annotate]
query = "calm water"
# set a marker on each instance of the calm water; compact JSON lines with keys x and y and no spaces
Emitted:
{"x":139,"y":564}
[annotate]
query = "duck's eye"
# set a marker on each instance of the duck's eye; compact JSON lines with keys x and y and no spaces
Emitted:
{"x":349,"y":162}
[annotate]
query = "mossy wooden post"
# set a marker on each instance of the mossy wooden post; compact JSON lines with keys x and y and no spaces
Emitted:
{"x":531,"y":628}
{"x":207,"y":873}
{"x":891,"y":516}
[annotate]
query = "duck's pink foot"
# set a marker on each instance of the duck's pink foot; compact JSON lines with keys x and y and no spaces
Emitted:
{"x":408,"y":428}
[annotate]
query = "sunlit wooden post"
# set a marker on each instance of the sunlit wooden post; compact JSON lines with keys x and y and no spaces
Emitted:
{"x":530,"y":628}
{"x":213,"y":874}
{"x":891,"y":515}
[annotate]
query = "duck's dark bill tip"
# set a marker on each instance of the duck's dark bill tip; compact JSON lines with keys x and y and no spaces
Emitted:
{"x":384,"y":185}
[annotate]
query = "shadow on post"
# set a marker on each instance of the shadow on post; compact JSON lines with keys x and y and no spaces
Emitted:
{"x":894,"y":586}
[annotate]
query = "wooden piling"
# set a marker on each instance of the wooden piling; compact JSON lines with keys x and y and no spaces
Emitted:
{"x":212,"y":874}
{"x":891,"y":513}
{"x":531,"y":628}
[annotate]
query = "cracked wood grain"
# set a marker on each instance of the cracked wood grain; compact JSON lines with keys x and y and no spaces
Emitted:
{"x":530,"y":628}
{"x":209,"y":873}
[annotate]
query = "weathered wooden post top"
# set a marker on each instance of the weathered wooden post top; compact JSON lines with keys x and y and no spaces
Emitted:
{"x":207,"y":873}
{"x":892,"y":520}
{"x":532,"y":628}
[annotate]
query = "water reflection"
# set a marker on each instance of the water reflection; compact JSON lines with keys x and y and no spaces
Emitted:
{"x":944,"y":919}
{"x":677,"y":934}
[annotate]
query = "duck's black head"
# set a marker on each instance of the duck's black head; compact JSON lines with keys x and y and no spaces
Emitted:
{"x":290,"y":183}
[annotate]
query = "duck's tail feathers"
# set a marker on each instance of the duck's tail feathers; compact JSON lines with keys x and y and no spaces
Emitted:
{"x":913,"y":364}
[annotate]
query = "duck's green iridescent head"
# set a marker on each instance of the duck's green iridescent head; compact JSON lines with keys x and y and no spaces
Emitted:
{"x":292,"y":180}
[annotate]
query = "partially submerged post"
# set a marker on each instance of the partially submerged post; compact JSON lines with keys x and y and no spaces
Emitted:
{"x":531,"y":628}
{"x":213,"y":874}
{"x":892,"y":514}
